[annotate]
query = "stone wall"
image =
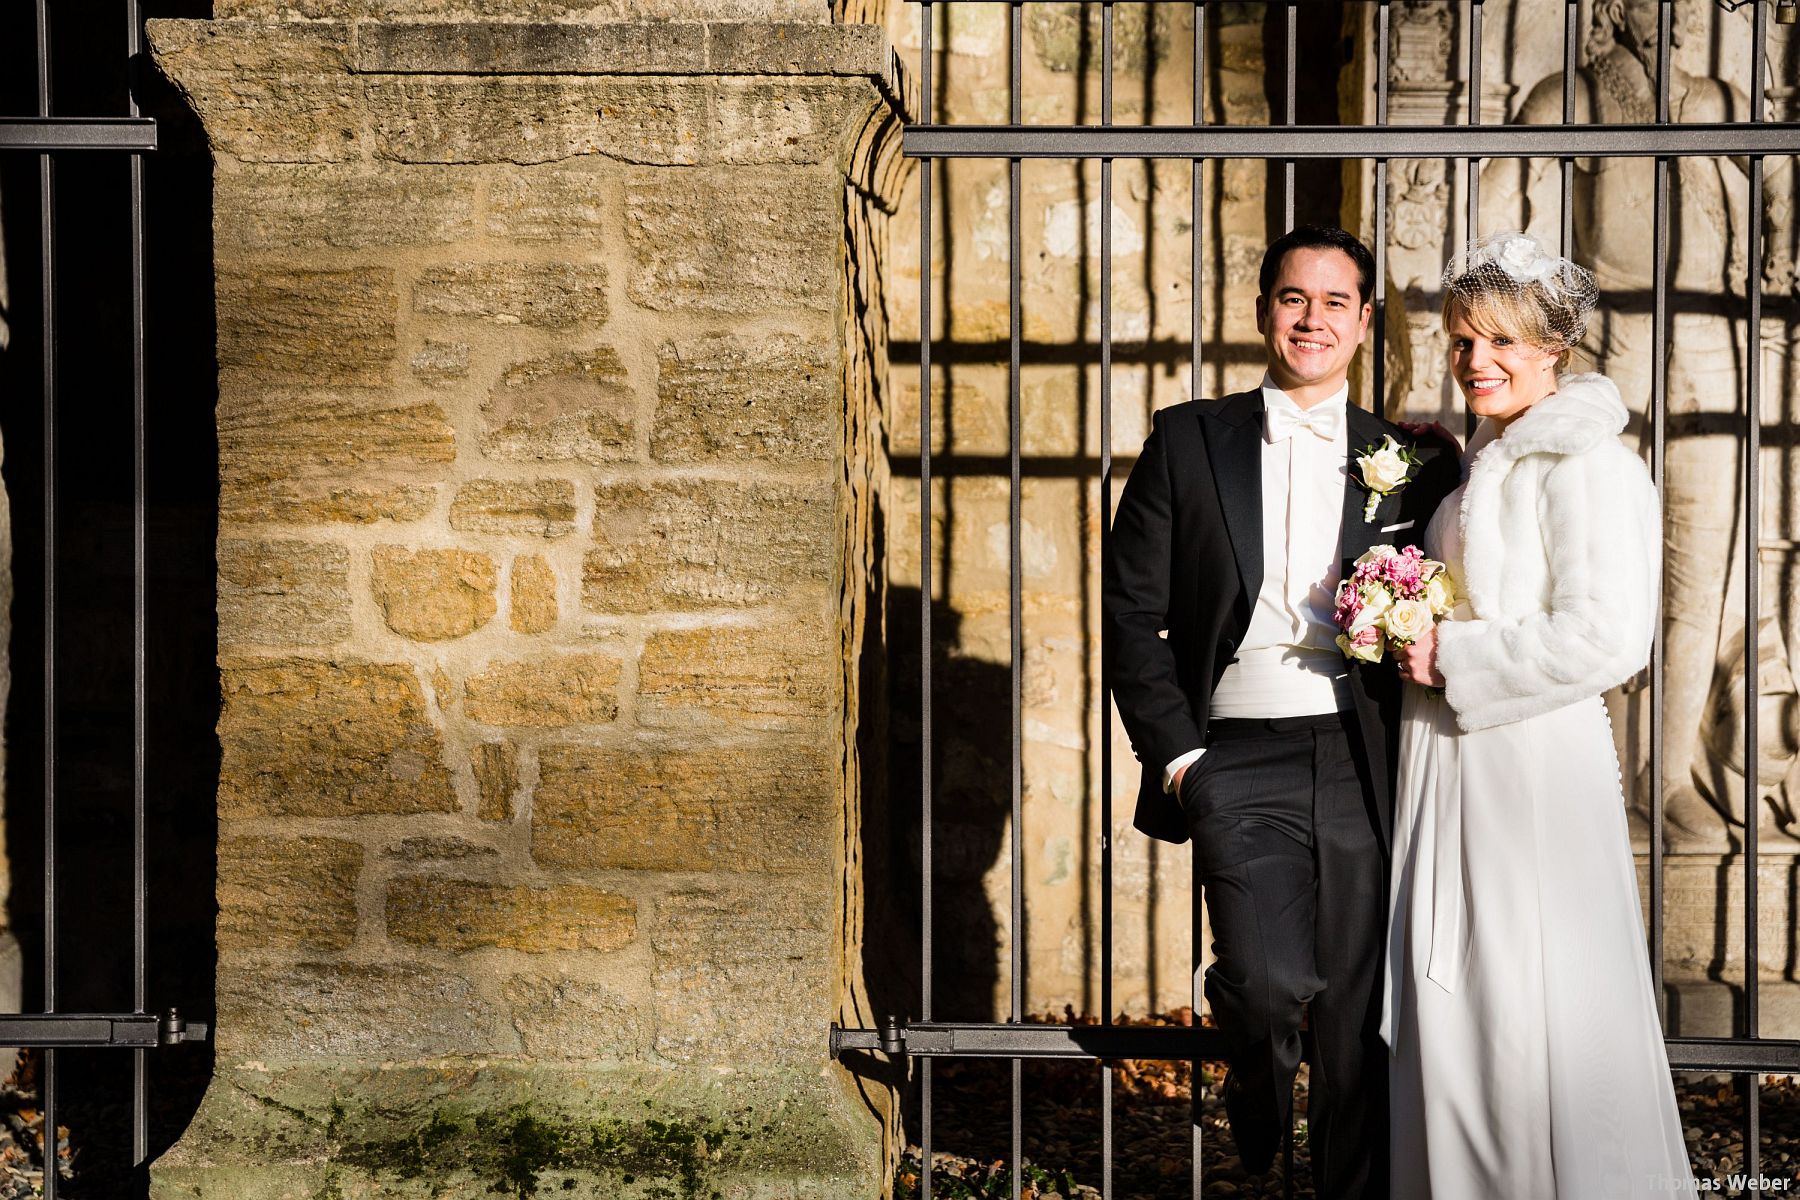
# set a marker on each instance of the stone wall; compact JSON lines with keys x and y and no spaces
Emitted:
{"x":548,"y":360}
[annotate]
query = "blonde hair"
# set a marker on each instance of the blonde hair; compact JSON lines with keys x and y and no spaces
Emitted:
{"x":1525,"y":315}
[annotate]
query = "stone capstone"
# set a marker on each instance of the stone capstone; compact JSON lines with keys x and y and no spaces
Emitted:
{"x":433,"y":595}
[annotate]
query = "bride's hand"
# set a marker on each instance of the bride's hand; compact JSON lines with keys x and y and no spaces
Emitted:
{"x":1418,"y":662}
{"x":1433,"y":429}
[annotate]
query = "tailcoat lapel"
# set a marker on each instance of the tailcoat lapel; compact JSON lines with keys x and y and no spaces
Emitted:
{"x":1358,"y":535}
{"x":1233,"y":430}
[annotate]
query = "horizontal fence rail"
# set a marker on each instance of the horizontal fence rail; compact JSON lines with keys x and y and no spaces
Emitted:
{"x":1189,"y":1043}
{"x":79,"y":133}
{"x":1461,"y":142}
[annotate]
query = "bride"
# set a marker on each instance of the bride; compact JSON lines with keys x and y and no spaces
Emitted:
{"x":1528,"y":1058}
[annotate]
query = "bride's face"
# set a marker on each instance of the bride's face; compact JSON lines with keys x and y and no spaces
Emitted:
{"x":1500,"y":376}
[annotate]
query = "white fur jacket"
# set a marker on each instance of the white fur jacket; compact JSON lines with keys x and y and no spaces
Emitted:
{"x":1561,"y":548}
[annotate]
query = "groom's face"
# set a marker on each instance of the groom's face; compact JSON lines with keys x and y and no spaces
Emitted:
{"x":1312,"y":321}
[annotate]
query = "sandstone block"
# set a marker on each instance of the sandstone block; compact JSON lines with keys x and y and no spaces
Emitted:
{"x":766,"y":677}
{"x":438,"y":363}
{"x":689,"y":544}
{"x":546,"y":205}
{"x":305,"y":501}
{"x":533,"y":594}
{"x":570,"y":407}
{"x":461,"y":914}
{"x":283,"y":592}
{"x":695,"y":810}
{"x":552,"y":295}
{"x":743,"y":241}
{"x":496,"y":767}
{"x":437,"y":848}
{"x":729,"y":397}
{"x":279,"y":208}
{"x":544,"y":507}
{"x":724,"y":952}
{"x":288,"y":892}
{"x":306,"y":329}
{"x":433,"y":595}
{"x":322,"y":738}
{"x":557,"y":1016}
{"x":313,"y":1011}
{"x":565,"y":689}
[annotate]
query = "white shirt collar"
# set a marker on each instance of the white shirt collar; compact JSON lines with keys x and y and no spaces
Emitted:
{"x":1274,"y":397}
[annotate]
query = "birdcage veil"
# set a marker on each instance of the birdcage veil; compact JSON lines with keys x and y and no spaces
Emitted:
{"x":1499,"y":271}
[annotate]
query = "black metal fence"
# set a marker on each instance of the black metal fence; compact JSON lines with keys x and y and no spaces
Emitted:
{"x":49,"y":138}
{"x":1663,"y":140}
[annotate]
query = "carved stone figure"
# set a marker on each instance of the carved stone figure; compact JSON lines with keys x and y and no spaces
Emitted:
{"x":1613,"y":208}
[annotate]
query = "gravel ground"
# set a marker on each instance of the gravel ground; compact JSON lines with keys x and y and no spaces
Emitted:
{"x":1153,"y":1131}
{"x":22,"y":1135}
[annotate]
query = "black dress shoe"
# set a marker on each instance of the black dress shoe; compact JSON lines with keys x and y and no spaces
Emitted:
{"x":1256,"y":1137}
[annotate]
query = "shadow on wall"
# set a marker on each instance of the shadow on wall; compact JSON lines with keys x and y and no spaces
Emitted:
{"x":93,"y":514}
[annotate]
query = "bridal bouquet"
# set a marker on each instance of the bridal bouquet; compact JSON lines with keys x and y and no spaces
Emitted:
{"x":1392,"y":597}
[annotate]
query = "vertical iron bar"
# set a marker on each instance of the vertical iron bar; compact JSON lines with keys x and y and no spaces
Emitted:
{"x":1472,"y":169}
{"x":1106,"y":874}
{"x":1472,"y":16}
{"x":926,"y":167}
{"x":1015,"y":602}
{"x":1379,"y":398}
{"x":1196,"y":1174}
{"x":140,"y":706}
{"x":1289,"y":110}
{"x":1659,"y":378}
{"x":1106,"y":208}
{"x":1753,"y":595}
{"x":1566,"y":243}
{"x":47,"y":252}
{"x":1199,"y":179}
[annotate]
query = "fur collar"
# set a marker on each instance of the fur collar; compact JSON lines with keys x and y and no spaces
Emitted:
{"x":1578,"y":416}
{"x":1572,"y":419}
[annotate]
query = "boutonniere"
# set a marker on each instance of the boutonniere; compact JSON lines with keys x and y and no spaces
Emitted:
{"x":1383,"y":471}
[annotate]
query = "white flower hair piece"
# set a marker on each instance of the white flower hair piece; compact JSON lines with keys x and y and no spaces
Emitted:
{"x":1512,"y":262}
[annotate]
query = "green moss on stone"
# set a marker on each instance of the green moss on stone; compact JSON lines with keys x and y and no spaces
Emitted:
{"x":510,"y":1150}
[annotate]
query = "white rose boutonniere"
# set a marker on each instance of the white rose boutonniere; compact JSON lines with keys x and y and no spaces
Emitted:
{"x":1385,"y":469}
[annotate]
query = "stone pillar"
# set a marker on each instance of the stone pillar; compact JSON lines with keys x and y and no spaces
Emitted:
{"x":547,"y":354}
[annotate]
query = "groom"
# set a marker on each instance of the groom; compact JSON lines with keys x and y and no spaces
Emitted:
{"x":1258,"y":738}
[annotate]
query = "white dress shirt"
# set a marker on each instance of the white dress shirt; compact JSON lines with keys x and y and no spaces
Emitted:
{"x":1289,"y":664}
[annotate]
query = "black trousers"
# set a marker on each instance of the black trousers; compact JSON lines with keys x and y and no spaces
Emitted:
{"x":1287,"y":849}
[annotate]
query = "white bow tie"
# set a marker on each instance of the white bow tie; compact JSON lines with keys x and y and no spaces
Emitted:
{"x":1326,"y":420}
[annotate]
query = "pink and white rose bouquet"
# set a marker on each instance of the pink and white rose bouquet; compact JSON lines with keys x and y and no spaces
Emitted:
{"x":1391,"y":598}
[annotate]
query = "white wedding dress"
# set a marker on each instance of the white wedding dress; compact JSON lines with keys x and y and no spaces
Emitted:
{"x":1528,"y":1060}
